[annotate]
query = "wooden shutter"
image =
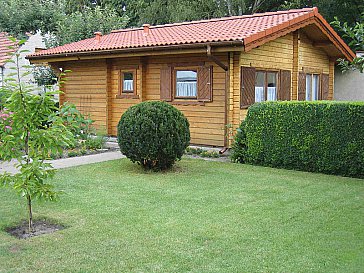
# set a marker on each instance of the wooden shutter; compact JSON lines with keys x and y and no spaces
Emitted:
{"x":204,"y":83}
{"x":325,"y":79}
{"x":166,"y":84}
{"x":302,"y":86}
{"x":247,"y":86}
{"x":284,"y":92}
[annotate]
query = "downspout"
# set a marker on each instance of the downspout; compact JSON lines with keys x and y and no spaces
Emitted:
{"x":226,"y":69}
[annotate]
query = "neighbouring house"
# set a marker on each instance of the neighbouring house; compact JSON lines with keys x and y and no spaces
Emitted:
{"x":33,"y":43}
{"x":5,"y":43}
{"x":349,"y":85}
{"x":212,"y":70}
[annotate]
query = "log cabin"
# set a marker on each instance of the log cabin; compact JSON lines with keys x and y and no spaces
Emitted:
{"x":211,"y":70}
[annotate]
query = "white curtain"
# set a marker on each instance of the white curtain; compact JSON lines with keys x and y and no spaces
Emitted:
{"x":315,"y":87}
{"x":128,"y":85}
{"x":272,"y":94}
{"x":186,"y":89}
{"x":259,"y":94}
{"x":308,"y":86}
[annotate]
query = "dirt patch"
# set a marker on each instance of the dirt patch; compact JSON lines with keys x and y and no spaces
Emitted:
{"x":14,"y":249}
{"x":40,"y":227}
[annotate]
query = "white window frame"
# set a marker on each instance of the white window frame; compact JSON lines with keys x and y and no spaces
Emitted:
{"x":266,"y":89}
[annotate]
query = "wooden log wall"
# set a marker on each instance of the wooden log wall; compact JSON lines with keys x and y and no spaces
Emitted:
{"x":86,"y":87}
{"x":93,"y":85}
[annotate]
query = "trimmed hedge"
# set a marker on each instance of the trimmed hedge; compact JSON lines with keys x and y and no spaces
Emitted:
{"x":154,"y":134}
{"x":321,"y":136}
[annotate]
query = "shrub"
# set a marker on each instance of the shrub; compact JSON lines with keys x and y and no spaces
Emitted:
{"x":95,"y":142}
{"x":239,"y":147}
{"x":154,"y":134}
{"x":323,"y":136}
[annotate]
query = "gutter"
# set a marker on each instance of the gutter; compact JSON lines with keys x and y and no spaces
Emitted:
{"x":137,"y":49}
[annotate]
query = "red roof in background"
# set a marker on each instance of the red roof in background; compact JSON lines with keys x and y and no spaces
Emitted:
{"x":246,"y":29}
{"x":4,"y":50}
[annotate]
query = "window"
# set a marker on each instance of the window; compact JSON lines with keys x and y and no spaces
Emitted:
{"x":265,"y":86}
{"x":127,"y":82}
{"x":186,"y":83}
{"x":259,"y":85}
{"x":312,"y":86}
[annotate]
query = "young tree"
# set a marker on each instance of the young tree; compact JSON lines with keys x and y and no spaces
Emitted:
{"x":30,"y":129}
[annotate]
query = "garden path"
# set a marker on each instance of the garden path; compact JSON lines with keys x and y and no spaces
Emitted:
{"x":67,"y":162}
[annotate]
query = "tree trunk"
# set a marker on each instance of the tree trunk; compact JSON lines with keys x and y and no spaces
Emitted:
{"x":30,"y":214}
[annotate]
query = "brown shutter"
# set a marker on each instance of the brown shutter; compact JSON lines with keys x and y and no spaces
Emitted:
{"x":166,"y":84}
{"x":204,"y":82}
{"x":302,"y":86}
{"x":325,"y":79}
{"x":247,"y":86}
{"x":284,"y":92}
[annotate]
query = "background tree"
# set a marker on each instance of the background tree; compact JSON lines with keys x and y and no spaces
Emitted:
{"x":65,"y":20}
{"x":83,"y":24}
{"x":355,"y":37}
{"x":163,"y":11}
{"x":30,"y":130}
{"x":345,"y":10}
{"x":169,"y":11}
{"x":18,"y":16}
{"x":72,"y":20}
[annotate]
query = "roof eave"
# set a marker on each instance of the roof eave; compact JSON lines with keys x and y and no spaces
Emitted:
{"x":136,"y":49}
{"x":314,"y":18}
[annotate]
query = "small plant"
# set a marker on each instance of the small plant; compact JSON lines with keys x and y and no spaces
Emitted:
{"x":202,"y":152}
{"x":55,"y":156}
{"x":155,"y":134}
{"x":73,"y":153}
{"x":229,"y":132}
{"x":94,"y":142}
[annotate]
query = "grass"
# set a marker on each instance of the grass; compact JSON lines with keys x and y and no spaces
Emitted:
{"x":200,"y":217}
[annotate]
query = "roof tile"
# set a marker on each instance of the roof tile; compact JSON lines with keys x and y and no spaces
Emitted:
{"x":4,"y":48}
{"x":245,"y":29}
{"x":235,"y":28}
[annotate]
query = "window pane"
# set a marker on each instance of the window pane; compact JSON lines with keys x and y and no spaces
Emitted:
{"x":315,"y":87}
{"x":128,"y":82}
{"x":259,"y":86}
{"x":308,"y":86}
{"x":186,"y":83}
{"x":272,"y":86}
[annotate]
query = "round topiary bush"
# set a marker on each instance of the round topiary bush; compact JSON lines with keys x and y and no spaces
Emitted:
{"x":155,"y":134}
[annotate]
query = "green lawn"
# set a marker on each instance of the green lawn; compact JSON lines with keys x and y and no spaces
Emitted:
{"x":201,"y":217}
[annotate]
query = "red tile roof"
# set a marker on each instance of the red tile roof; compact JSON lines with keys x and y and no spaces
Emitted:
{"x":4,"y":50}
{"x":246,"y":29}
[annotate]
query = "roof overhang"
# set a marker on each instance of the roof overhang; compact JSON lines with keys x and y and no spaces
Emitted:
{"x":225,"y":46}
{"x":316,"y":27}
